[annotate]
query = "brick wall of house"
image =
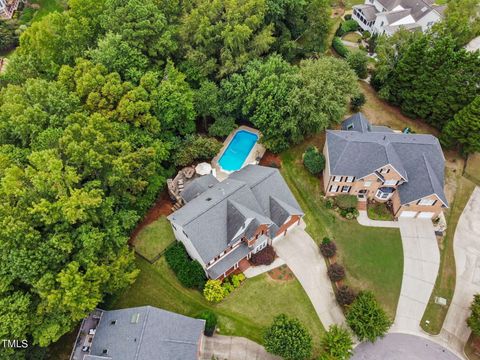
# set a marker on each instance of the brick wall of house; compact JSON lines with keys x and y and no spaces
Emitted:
{"x":294,"y":219}
{"x":413,"y":206}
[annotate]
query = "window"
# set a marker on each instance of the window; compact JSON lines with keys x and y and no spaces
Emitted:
{"x":430,"y":23}
{"x":346,"y":189}
{"x":350,"y":178}
{"x":184,"y":233}
{"x":390,"y":182}
{"x":367,"y":183}
{"x":337,"y":178}
{"x":382,"y":195}
{"x":334,"y":188}
{"x":260,"y":247}
{"x":174,"y":228}
{"x":384,"y":171}
{"x":426,"y":202}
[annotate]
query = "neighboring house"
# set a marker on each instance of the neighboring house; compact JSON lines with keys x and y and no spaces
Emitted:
{"x":388,"y":16}
{"x":140,"y":333}
{"x":223,"y":223}
{"x":7,"y":8}
{"x":377,"y":163}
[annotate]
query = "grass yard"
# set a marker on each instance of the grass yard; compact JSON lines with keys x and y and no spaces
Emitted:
{"x":349,"y":3}
{"x":445,"y":283}
{"x":154,"y":238}
{"x":246,"y":312}
{"x":472,"y":169}
{"x":379,"y":211}
{"x":352,"y":37}
{"x":373,"y":257}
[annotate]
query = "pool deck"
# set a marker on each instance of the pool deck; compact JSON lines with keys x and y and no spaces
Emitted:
{"x":257,"y":152}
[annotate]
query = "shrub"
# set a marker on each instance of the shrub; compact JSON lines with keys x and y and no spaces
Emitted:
{"x":210,"y":321}
{"x":366,"y":318}
{"x":358,"y":61}
{"x":288,"y":338}
{"x":237,"y":280}
{"x":357,"y":102}
{"x":345,"y":295}
{"x":213,"y":291}
{"x":196,"y":147}
{"x":329,"y":203}
{"x":366,"y":35}
{"x":189,"y":272}
{"x":473,"y":320}
{"x":227,"y":287}
{"x":337,"y":343}
{"x":345,"y":201}
{"x":263,"y":257}
{"x":336,"y":272}
{"x":314,"y":160}
{"x":339,"y":47}
{"x":328,"y":248}
{"x":347,"y":16}
{"x":348,"y":25}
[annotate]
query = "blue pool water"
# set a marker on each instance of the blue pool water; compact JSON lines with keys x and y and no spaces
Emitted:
{"x":237,"y":151}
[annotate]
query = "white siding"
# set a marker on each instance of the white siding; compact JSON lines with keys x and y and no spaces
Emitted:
{"x":180,"y":236}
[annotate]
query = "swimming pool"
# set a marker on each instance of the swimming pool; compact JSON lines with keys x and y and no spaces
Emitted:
{"x":237,"y":151}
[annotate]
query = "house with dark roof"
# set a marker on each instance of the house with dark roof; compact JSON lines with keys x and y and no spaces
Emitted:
{"x":140,"y":333}
{"x":224,"y":223}
{"x":388,"y":16}
{"x":377,"y":163}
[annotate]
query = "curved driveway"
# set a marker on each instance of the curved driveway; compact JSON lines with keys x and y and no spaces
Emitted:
{"x":396,"y":346}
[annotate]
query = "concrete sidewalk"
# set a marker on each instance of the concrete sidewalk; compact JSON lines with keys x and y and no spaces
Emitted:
{"x":253,"y":271}
{"x":466,"y":247}
{"x":233,"y":348}
{"x":421,"y":260}
{"x":303,"y":257}
{"x":364,"y":220}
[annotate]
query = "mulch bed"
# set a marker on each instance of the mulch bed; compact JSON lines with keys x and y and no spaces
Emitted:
{"x":163,"y":206}
{"x":281,"y":273}
{"x":270,"y":159}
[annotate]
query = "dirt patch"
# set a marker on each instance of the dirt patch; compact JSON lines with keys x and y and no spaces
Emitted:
{"x":281,"y":273}
{"x":163,"y":206}
{"x":271,"y":159}
{"x":338,"y":12}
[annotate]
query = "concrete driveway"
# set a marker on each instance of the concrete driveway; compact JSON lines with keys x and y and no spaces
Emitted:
{"x":233,"y":348}
{"x":421,"y":260}
{"x":402,"y":347}
{"x":303,"y":257}
{"x":466,"y":246}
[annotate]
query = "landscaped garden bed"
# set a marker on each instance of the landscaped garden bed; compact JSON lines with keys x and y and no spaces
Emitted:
{"x":281,"y":273}
{"x":379,"y":211}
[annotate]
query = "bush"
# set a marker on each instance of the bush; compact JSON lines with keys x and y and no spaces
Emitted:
{"x":473,"y":320}
{"x":348,"y":25}
{"x":336,"y":272}
{"x":237,"y":280}
{"x":339,"y":47}
{"x":288,"y":338}
{"x":189,"y":272}
{"x":347,"y":16}
{"x":366,"y":318}
{"x":337,"y":343}
{"x":329,"y":203}
{"x":263,"y":257}
{"x":366,"y":35}
{"x":358,"y":61}
{"x":196,"y":147}
{"x":345,"y":295}
{"x":357,"y":102}
{"x":328,"y":248}
{"x":345,"y":201}
{"x":227,"y":287}
{"x":213,"y":291}
{"x":210,"y":321}
{"x":314,"y":160}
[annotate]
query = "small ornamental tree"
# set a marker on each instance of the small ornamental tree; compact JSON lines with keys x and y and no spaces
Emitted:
{"x":473,"y":320}
{"x":328,"y":248}
{"x":366,"y":318}
{"x":336,"y":272}
{"x":263,"y":257}
{"x":357,"y":102}
{"x":288,"y":338}
{"x":345,"y":295}
{"x":337,"y":343}
{"x":213,"y":291}
{"x":358,"y":61}
{"x":314,"y":160}
{"x":210,"y":321}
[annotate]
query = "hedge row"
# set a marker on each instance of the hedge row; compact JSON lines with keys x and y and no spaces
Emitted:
{"x":189,"y":272}
{"x":339,"y":47}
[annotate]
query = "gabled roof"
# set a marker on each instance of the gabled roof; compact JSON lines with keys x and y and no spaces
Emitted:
{"x":418,"y":158}
{"x":198,"y":186}
{"x":222,"y":214}
{"x":145,"y":333}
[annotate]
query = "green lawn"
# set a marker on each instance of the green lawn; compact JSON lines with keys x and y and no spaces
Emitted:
{"x":154,"y":238}
{"x":246,"y":312}
{"x":379,"y":211}
{"x":373,"y":257}
{"x":352,"y":37}
{"x":445,"y":283}
{"x":472,"y":169}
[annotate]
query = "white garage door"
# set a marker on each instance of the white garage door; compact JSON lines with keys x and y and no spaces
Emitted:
{"x":425,"y":215}
{"x":408,"y":214}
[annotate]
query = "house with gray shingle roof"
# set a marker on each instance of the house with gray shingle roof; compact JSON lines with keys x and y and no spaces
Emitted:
{"x":377,"y":163}
{"x":388,"y":16}
{"x":140,"y":333}
{"x":224,"y":223}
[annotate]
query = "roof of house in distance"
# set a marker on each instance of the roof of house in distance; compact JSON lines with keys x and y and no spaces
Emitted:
{"x":146,"y":333}
{"x":359,"y":149}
